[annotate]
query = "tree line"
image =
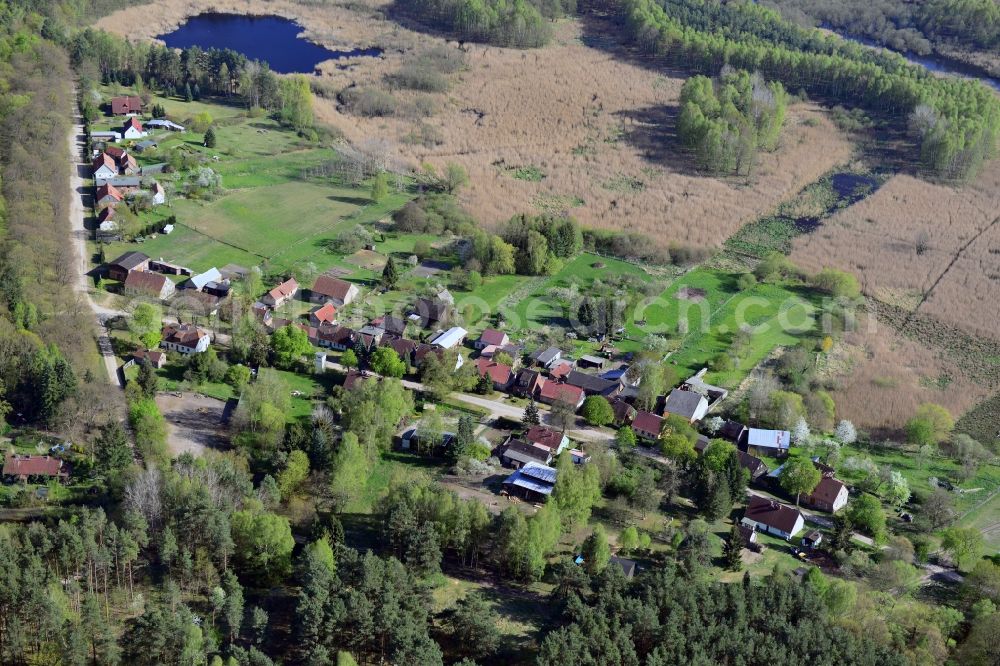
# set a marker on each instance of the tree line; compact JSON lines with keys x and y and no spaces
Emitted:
{"x":957,"y":121}
{"x":517,"y":23}
{"x":190,"y":73}
{"x":904,"y":26}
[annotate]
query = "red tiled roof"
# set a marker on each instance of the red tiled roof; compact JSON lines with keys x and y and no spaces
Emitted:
{"x":498,"y":372}
{"x":133,"y":122}
{"x":116,"y":152}
{"x":128,"y":104}
{"x":492,"y":336}
{"x":105,"y":160}
{"x":106,"y":214}
{"x":561,"y":392}
{"x":560,"y":370}
{"x":285,"y":289}
{"x":15,"y":465}
{"x":826,"y":491}
{"x":153,"y":357}
{"x":544,"y":436}
{"x":330,"y":286}
{"x":146,"y":282}
{"x":109,"y":190}
{"x":647,"y":422}
{"x":326,"y":313}
{"x":186,"y":335}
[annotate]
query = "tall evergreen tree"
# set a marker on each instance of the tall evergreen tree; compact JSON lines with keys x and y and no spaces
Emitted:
{"x":390,"y":274}
{"x":732,"y":552}
{"x":531,"y":416}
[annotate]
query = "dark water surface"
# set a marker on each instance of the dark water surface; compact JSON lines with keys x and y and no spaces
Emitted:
{"x":272,"y":39}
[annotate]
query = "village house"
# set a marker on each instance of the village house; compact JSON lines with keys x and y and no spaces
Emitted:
{"x":158,"y":197}
{"x":108,"y":195}
{"x":687,"y":404}
{"x":339,"y":338}
{"x":624,"y":412}
{"x":185,"y":338}
{"x":491,"y":337}
{"x":515,"y":453}
{"x":768,"y":443}
{"x":545,"y":358}
{"x":559,"y":370}
{"x":500,"y":374}
{"x":132,"y":129}
{"x":281,"y":294}
{"x":107,"y":225}
{"x":773,"y":517}
{"x":628,"y":567}
{"x":126,"y":185}
{"x":148,"y":284}
{"x":333,"y":290}
{"x":262,"y":313}
{"x":755,"y":466}
{"x":126,"y":105}
{"x":157,"y":359}
{"x":534,"y":482}
{"x":433,"y":312}
{"x":734,"y":431}
{"x":592,"y":384}
{"x":145,"y":145}
{"x":528,"y":384}
{"x":403,"y":347}
{"x":553,"y":392}
{"x":323,"y":314}
{"x":423,"y":350}
{"x":647,"y":425}
{"x":392,"y":325}
{"x":829,"y":495}
{"x":104,"y":166}
{"x":549,"y":439}
{"x":24,"y":468}
{"x":130,"y":261}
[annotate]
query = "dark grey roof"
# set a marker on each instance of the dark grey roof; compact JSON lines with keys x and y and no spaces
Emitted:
{"x":590,"y":383}
{"x":523,"y":452}
{"x":683,"y":403}
{"x":628,"y":566}
{"x":546,"y":356}
{"x":130,"y":260}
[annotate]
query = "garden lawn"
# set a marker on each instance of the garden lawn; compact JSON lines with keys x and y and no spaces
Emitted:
{"x":284,"y":224}
{"x":311,"y":388}
{"x":540,"y":309}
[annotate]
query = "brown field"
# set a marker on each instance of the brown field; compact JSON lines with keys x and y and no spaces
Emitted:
{"x":882,"y":377}
{"x":956,"y":278}
{"x":594,"y":123}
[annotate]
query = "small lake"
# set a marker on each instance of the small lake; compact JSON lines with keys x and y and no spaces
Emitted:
{"x":272,"y":39}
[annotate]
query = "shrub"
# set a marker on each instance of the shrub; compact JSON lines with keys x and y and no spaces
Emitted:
{"x":368,"y":102}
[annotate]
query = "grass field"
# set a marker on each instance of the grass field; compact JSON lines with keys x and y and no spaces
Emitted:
{"x":278,"y":203}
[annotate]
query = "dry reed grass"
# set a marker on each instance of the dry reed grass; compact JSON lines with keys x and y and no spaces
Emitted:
{"x":588,"y":118}
{"x":957,"y":269}
{"x":882,"y":377}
